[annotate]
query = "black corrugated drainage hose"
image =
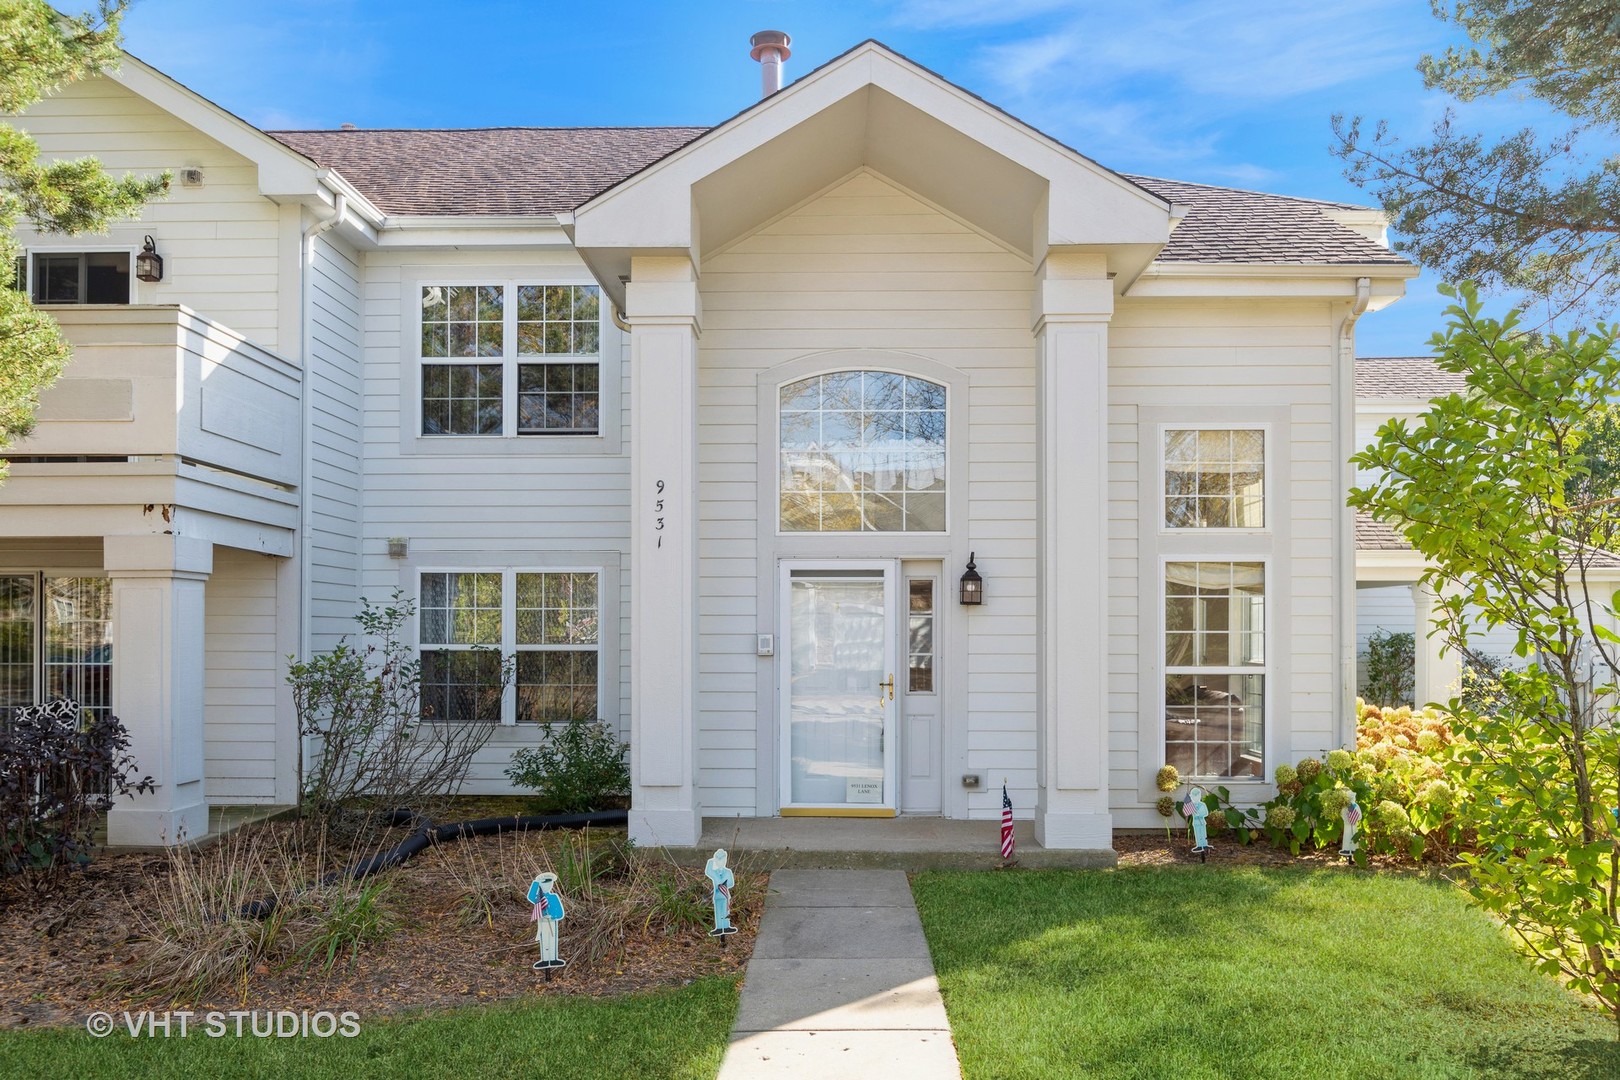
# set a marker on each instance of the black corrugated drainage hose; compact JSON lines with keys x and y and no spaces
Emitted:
{"x":428,"y":833}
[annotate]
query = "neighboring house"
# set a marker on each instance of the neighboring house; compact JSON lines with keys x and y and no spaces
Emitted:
{"x":704,"y":426}
{"x":1388,"y":596}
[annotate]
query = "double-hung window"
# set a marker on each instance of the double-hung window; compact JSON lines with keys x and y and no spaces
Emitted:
{"x":1214,"y":613}
{"x":510,"y":358}
{"x":471,"y":624}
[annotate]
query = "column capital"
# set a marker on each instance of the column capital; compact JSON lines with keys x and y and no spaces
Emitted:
{"x":162,"y":554}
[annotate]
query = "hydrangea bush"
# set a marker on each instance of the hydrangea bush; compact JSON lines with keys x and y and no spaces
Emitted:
{"x":1397,"y":774}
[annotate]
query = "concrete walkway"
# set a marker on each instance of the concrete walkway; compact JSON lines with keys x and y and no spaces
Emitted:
{"x":840,"y":985}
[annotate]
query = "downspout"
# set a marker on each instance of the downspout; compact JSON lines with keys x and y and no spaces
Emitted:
{"x":1344,"y":538}
{"x":306,"y":267}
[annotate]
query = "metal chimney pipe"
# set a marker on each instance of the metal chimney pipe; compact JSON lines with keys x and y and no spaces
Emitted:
{"x":770,"y":48}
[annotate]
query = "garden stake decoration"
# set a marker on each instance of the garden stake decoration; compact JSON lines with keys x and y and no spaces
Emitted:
{"x":720,"y":874}
{"x":1196,"y":812}
{"x":547,"y":917}
{"x":1351,"y":815}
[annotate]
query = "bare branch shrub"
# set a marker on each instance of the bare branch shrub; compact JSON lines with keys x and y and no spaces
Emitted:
{"x":373,"y":749}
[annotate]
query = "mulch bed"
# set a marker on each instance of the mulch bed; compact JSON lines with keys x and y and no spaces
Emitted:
{"x":60,"y":951}
{"x":1152,"y":849}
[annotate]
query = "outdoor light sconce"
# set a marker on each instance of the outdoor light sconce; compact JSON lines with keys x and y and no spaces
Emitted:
{"x":149,"y":264}
{"x":972,"y":584}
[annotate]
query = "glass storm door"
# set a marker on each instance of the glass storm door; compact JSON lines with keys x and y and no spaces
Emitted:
{"x":838,"y":688}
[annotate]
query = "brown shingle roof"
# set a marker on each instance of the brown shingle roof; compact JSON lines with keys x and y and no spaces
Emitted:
{"x":1404,"y":377}
{"x":480,"y":171}
{"x":1230,"y":225}
{"x":1374,"y":535}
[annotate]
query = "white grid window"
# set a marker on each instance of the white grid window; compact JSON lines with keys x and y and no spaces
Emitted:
{"x":470,"y":621}
{"x":862,"y":451}
{"x":1215,"y":668}
{"x":510,"y":359}
{"x":1214,"y":478}
{"x":55,"y":641}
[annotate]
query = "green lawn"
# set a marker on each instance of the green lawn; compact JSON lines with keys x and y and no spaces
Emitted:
{"x":676,"y":1033}
{"x":1181,"y":973}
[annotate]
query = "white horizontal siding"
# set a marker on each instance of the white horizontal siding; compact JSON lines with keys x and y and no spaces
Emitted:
{"x":513,"y":509}
{"x":1191,"y":355}
{"x":866,"y":266}
{"x":241,"y":676}
{"x":218,"y":241}
{"x":334,"y":396}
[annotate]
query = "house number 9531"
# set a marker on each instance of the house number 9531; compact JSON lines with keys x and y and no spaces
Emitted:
{"x":658,"y":511}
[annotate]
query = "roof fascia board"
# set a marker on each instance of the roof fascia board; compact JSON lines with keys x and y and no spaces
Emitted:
{"x":869,"y":64}
{"x":425,"y":230}
{"x":282,"y":170}
{"x":1282,"y":282}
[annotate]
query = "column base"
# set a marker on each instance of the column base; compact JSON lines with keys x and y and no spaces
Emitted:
{"x":665,"y":828}
{"x":1067,"y":831}
{"x":140,"y":826}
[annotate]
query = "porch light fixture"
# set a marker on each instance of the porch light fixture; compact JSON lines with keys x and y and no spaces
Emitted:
{"x":149,"y":264}
{"x":972,"y":584}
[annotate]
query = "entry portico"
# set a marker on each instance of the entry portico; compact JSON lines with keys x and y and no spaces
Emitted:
{"x":870,"y":126}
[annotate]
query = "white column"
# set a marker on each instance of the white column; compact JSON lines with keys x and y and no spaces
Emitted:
{"x":158,"y":585}
{"x":1438,"y":678}
{"x":662,"y":298}
{"x":1073,"y":303}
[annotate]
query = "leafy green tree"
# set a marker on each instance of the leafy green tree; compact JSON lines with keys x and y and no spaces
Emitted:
{"x":1481,"y":485}
{"x":41,"y":51}
{"x":1528,"y":211}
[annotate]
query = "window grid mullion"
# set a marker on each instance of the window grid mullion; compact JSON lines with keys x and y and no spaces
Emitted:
{"x":509,"y":365}
{"x":509,"y":645}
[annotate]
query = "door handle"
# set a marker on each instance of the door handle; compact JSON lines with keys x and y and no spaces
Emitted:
{"x":886,"y":685}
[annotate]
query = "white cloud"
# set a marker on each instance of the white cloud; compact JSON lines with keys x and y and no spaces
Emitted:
{"x":1158,"y":81}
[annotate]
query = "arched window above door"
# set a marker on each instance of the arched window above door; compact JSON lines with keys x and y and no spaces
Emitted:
{"x":862,"y":451}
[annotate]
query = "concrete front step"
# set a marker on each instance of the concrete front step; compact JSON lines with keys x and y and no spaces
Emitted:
{"x":903,"y":843}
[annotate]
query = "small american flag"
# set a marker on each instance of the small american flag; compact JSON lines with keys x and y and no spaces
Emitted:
{"x":1353,"y":813}
{"x":1006,"y":823}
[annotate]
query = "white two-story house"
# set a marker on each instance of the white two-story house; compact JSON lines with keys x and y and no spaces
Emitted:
{"x":703,"y":426}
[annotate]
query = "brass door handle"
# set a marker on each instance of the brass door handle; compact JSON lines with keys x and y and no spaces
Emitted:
{"x":886,"y":685}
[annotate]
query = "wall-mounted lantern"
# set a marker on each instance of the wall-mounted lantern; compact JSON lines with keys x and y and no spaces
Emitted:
{"x":972,"y":584}
{"x":149,"y":264}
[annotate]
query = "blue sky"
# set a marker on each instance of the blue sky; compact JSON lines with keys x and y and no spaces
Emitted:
{"x":1217,"y":91}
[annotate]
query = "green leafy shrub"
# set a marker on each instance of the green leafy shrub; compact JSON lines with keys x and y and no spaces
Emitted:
{"x":1397,"y":774}
{"x":578,"y":767}
{"x":1391,"y":668}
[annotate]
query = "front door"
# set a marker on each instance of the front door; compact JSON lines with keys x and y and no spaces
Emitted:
{"x":838,"y":680}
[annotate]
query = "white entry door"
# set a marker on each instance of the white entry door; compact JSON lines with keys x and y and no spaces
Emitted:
{"x":838,"y":678}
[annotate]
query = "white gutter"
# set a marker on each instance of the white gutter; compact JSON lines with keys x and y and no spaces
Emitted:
{"x":1344,"y":533}
{"x":306,"y":266}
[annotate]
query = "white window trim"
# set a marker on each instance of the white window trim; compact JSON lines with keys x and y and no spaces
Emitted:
{"x":776,"y":455}
{"x":935,"y":614}
{"x":77,"y":249}
{"x":1268,"y":503}
{"x":508,"y":644}
{"x":1264,"y":670}
{"x":608,"y":438}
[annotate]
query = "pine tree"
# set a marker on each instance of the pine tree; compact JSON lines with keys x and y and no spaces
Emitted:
{"x":42,"y":51}
{"x":1529,"y":212}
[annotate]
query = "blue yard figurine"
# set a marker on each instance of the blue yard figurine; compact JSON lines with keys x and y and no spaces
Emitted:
{"x":1351,"y":815}
{"x":1197,"y":812}
{"x":722,"y":877}
{"x":547,"y":917}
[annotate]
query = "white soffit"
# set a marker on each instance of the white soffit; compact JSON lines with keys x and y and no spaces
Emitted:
{"x":872,"y":108}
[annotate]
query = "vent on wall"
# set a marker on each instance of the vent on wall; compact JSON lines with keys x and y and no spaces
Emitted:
{"x":191,"y":176}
